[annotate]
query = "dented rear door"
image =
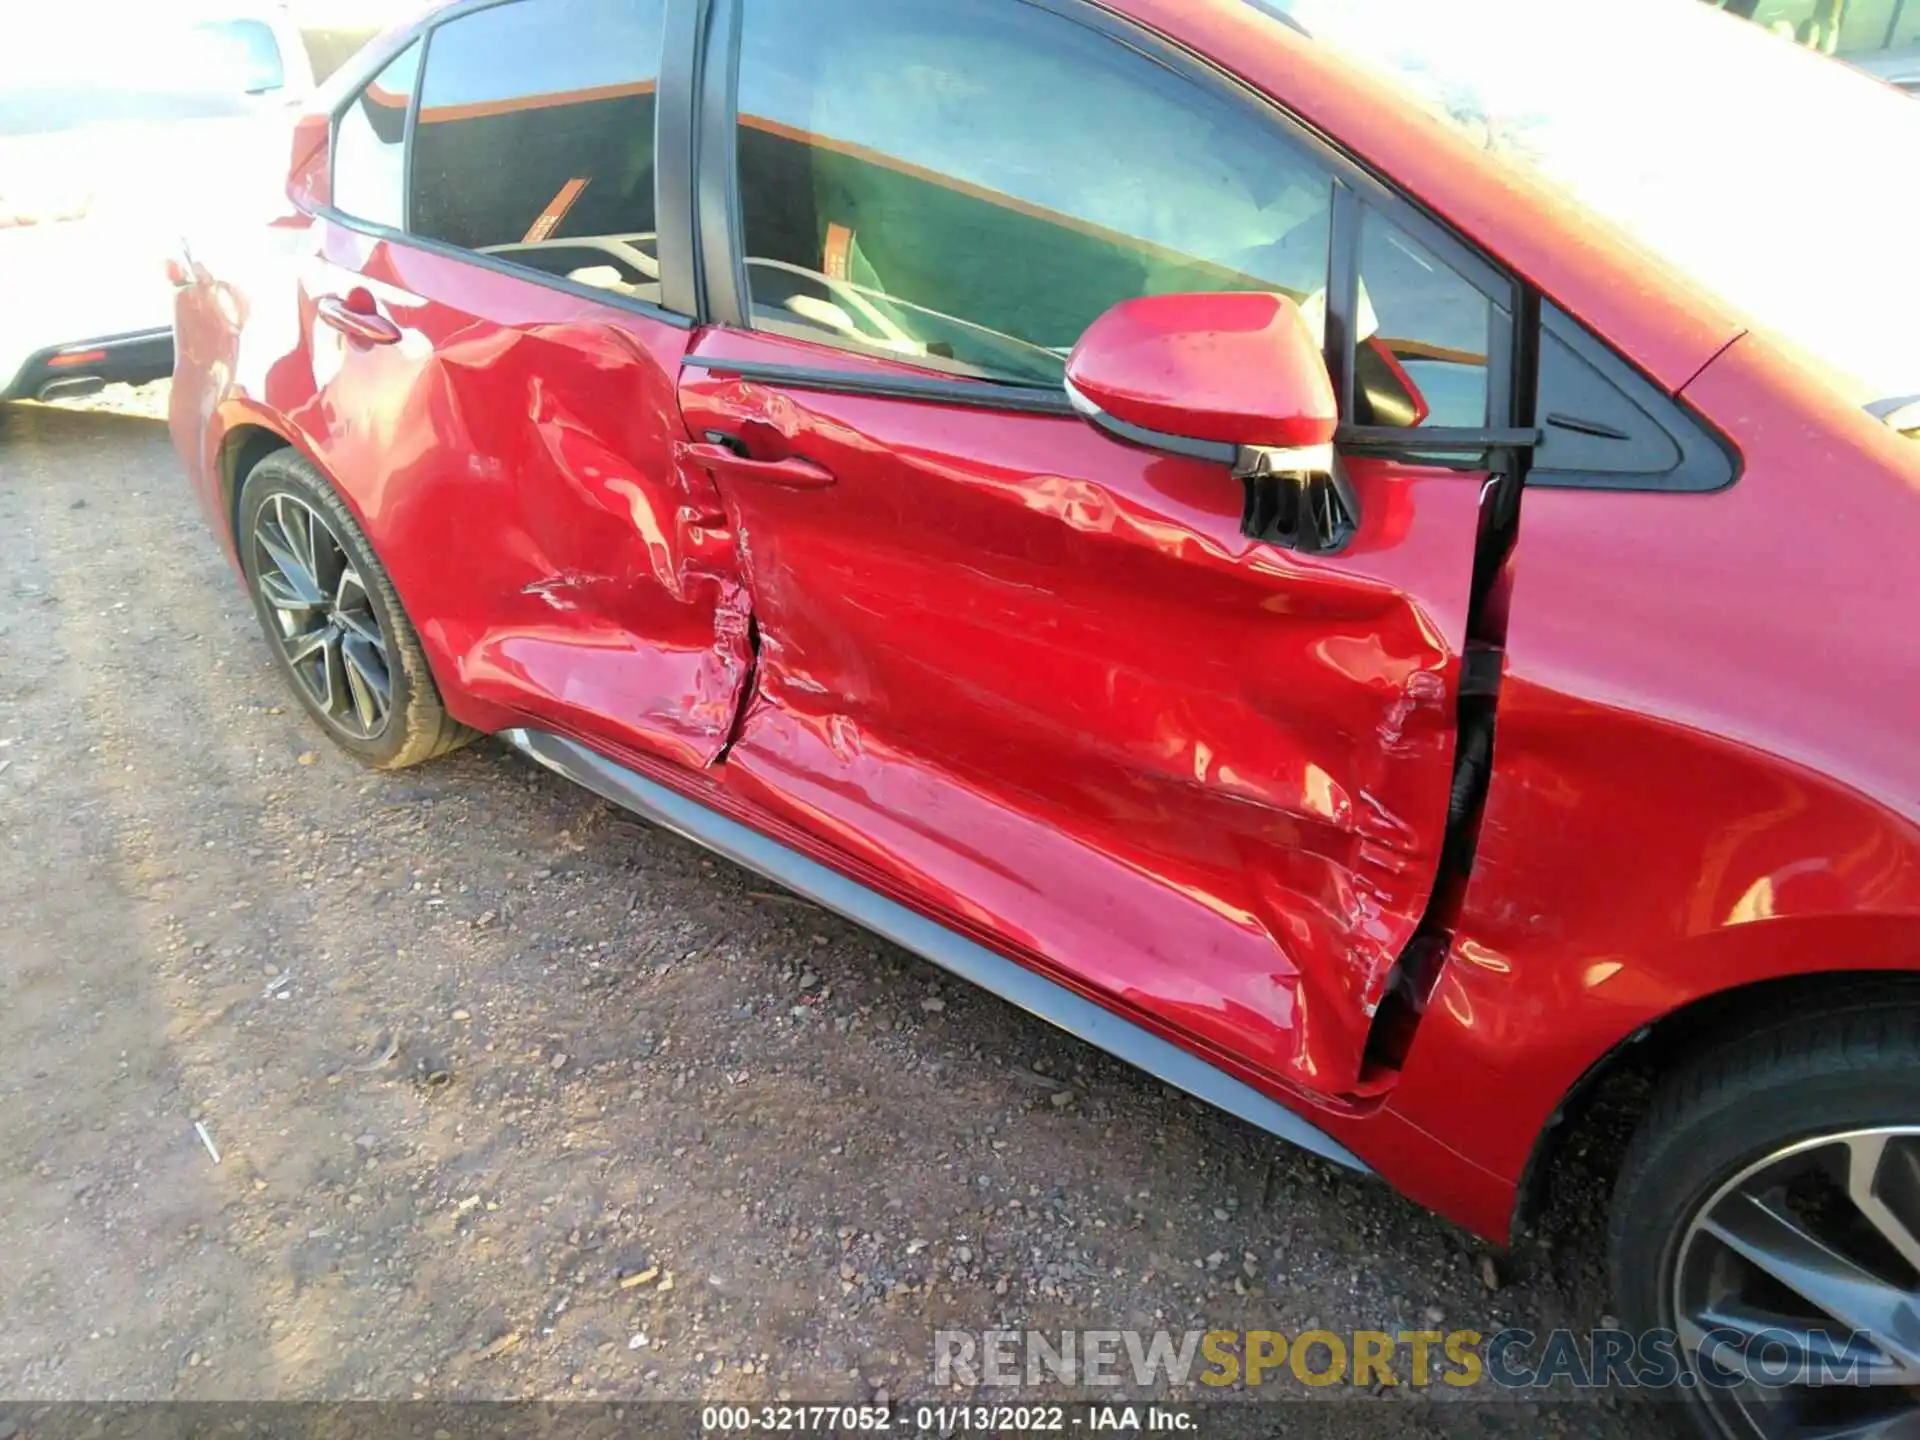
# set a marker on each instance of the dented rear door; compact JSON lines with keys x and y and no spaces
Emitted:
{"x":518,"y":443}
{"x":513,"y":443}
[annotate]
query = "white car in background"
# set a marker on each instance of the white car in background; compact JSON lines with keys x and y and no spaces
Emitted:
{"x":121,"y":121}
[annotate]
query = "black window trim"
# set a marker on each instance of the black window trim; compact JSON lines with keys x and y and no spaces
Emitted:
{"x":670,"y":195}
{"x":981,"y":394}
{"x":723,"y":284}
{"x":407,"y":133}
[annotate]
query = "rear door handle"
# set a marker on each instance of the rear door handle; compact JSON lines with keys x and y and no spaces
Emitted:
{"x":793,"y":473}
{"x":369,"y":326}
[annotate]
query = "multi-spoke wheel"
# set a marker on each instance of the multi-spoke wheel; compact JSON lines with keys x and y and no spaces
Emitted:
{"x":325,"y":626}
{"x":333,"y":620}
{"x":1769,"y":1215}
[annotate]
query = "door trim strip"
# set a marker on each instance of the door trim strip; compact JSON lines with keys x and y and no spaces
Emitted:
{"x":926,"y":938}
{"x":891,"y":385}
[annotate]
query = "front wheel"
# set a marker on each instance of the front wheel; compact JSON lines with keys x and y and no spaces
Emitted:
{"x":1768,"y":1214}
{"x":333,"y":620}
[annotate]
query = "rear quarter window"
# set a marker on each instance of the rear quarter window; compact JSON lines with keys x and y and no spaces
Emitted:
{"x":369,"y":157}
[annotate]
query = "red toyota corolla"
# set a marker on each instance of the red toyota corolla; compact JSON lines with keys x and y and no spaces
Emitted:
{"x":1360,"y":556}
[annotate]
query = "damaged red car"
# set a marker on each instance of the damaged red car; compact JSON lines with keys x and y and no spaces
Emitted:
{"x":1293,"y":540}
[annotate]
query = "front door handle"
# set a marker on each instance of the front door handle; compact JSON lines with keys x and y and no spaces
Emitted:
{"x":793,"y":473}
{"x":367,"y":325}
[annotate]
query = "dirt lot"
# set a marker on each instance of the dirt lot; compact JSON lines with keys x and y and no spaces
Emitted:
{"x":476,"y":1050}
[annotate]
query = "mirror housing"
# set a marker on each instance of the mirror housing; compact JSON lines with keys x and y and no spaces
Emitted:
{"x":1226,"y":370}
{"x":1234,"y":377}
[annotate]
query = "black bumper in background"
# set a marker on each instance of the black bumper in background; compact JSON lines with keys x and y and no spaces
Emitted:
{"x":62,"y":371}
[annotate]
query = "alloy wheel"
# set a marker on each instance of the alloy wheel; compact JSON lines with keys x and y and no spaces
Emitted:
{"x":1796,"y":1291}
{"x":324,"y":620}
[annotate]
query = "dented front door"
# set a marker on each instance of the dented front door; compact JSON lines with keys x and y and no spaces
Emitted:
{"x":1041,"y":681}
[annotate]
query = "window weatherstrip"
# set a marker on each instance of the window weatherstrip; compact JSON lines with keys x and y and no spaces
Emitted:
{"x":1033,"y":400}
{"x":1394,"y":439}
{"x":427,"y":243}
{"x":675,"y":155}
{"x":720,"y":233}
{"x":407,"y":134}
{"x":974,"y":394}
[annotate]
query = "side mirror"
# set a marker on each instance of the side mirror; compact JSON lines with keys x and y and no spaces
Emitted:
{"x":1235,"y":377}
{"x":1234,"y":369}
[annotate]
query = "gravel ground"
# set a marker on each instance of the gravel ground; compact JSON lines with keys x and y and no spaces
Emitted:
{"x":515,"y":1096}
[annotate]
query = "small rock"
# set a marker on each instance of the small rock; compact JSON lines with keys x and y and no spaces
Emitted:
{"x":307,"y":757}
{"x":1434,"y":1315}
{"x":808,"y":979}
{"x":1490,"y":1272}
{"x":462,"y":1015}
{"x":1061,"y":1099}
{"x":638,"y":1342}
{"x":559,"y":1060}
{"x":933,"y":1004}
{"x":666,"y":1283}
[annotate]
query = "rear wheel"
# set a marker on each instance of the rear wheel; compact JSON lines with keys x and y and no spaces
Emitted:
{"x":1768,"y":1213}
{"x":333,"y":621}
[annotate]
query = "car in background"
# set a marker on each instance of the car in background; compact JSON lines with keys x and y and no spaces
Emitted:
{"x":107,"y":111}
{"x":1305,"y":542}
{"x":1881,"y":37}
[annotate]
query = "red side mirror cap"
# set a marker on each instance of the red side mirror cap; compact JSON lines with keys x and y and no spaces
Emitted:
{"x":1236,"y":368}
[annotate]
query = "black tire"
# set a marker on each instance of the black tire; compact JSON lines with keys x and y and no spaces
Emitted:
{"x":1776,"y":1115}
{"x":414,"y":725}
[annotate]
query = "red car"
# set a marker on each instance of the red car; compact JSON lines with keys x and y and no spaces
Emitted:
{"x":1121,"y":501}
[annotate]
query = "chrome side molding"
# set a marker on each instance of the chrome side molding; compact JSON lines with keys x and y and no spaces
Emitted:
{"x":926,"y":938}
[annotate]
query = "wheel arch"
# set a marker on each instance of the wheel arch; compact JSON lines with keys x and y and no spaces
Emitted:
{"x":242,"y":447}
{"x":247,"y":437}
{"x":1653,"y":1048}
